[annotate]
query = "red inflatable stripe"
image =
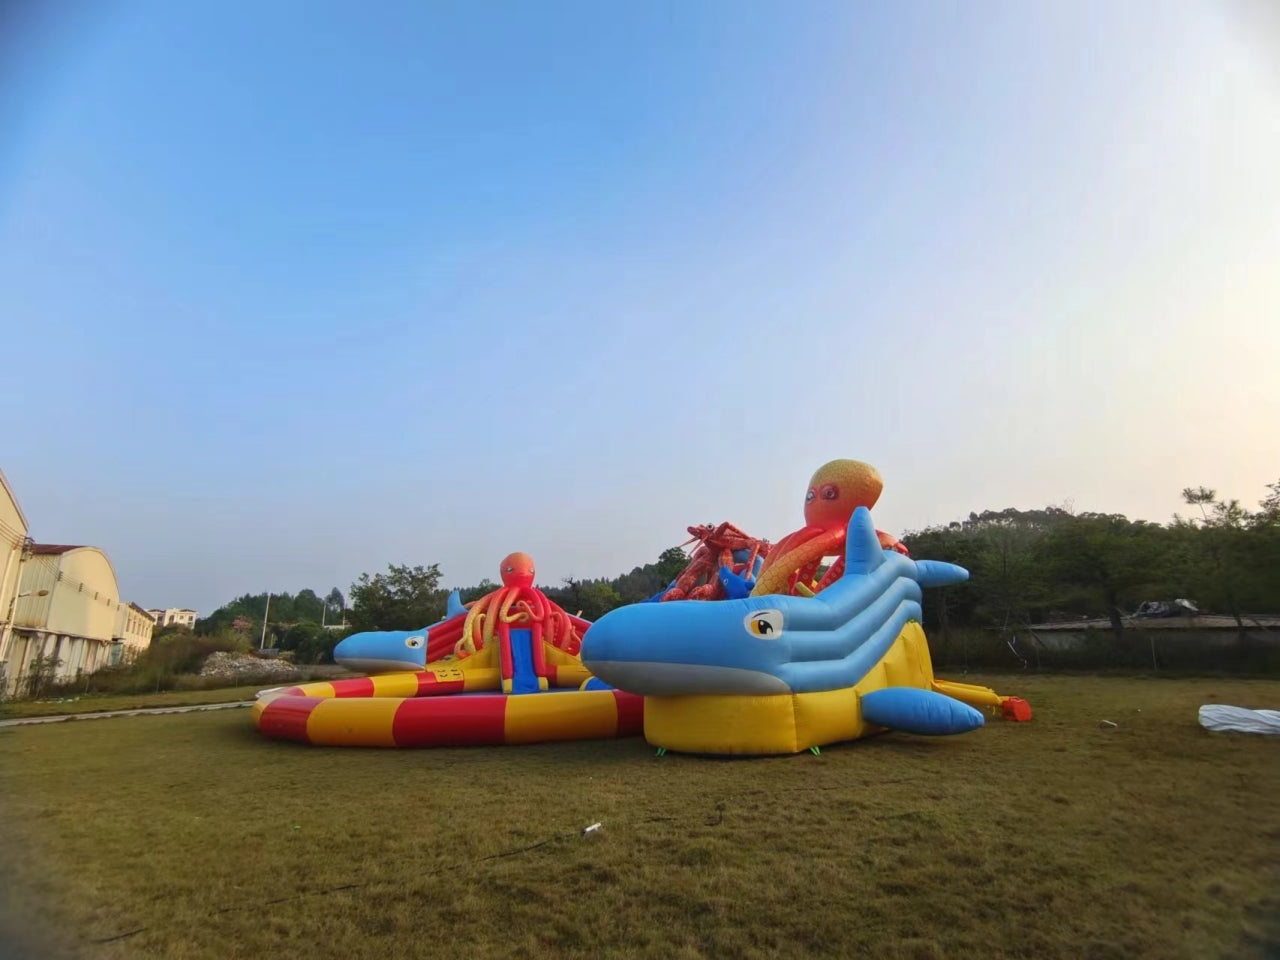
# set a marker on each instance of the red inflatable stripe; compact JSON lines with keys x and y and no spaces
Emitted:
{"x":630,"y":713}
{"x":286,"y":717}
{"x":356,"y":687}
{"x":442,"y":637}
{"x":429,"y":686}
{"x":450,"y":722}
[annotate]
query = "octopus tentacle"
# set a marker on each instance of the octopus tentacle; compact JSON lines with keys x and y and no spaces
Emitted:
{"x":466,"y":644}
{"x":559,"y":629}
{"x":787,"y":544}
{"x":566,"y":635}
{"x":531,"y":606}
{"x":523,"y":612}
{"x":812,"y":549}
{"x":495,"y":614}
{"x":834,"y":573}
{"x":806,"y":574}
{"x":508,"y":601}
{"x":475,"y":616}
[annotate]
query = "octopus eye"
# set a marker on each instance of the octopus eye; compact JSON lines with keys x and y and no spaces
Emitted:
{"x":511,"y":570}
{"x":764,"y":624}
{"x":413,"y":643}
{"x":810,"y":495}
{"x":830,"y":491}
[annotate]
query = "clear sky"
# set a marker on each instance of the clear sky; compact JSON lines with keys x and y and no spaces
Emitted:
{"x":292,"y":290}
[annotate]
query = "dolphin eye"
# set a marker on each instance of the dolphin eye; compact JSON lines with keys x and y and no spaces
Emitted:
{"x":764,"y":624}
{"x":413,"y":643}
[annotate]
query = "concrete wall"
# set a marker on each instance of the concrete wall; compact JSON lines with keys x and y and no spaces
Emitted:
{"x":1229,"y":651}
{"x":1079,"y":639}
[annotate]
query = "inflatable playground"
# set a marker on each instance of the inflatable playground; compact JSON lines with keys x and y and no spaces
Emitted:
{"x":755,"y":648}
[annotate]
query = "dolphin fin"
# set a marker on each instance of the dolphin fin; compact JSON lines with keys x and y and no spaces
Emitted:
{"x":862,"y":550}
{"x":936,"y":573}
{"x":923,"y":712}
{"x":453,"y":606}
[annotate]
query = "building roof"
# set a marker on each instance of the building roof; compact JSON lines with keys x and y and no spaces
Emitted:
{"x":146,"y":613}
{"x":59,"y":549}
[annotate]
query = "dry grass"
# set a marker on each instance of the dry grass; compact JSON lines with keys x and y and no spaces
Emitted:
{"x":14,"y":709}
{"x":192,"y":837}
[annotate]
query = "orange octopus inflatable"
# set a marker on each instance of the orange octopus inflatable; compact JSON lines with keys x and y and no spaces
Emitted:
{"x":519,"y":603}
{"x":835,"y":491}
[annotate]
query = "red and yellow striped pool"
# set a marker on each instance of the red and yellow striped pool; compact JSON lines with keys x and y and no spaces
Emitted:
{"x":433,"y":708}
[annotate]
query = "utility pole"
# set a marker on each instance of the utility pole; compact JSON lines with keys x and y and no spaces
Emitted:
{"x":262,"y":644}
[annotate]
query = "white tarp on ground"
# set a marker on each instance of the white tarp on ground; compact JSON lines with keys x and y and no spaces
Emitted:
{"x":1221,"y":717}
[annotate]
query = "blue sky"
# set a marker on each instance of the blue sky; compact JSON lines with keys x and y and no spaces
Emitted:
{"x":294,"y":290}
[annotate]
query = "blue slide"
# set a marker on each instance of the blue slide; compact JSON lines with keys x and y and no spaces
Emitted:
{"x":523,"y":678}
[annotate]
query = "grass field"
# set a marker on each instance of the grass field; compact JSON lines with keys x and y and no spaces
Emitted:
{"x":15,"y":709}
{"x":193,"y":837}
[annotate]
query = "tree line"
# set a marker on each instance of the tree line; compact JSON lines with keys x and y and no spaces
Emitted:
{"x":1026,"y":566}
{"x":406,"y":598}
{"x":1032,"y":566}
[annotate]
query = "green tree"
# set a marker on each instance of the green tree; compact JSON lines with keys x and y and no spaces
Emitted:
{"x":643,"y":582}
{"x":670,"y":565}
{"x":307,"y":607}
{"x":284,"y":608}
{"x":1231,"y":554}
{"x":484,"y":587}
{"x":335,"y":604}
{"x":1265,"y":537}
{"x":1000,"y":549}
{"x":310,"y":642}
{"x":594,"y":598}
{"x":1269,"y":516}
{"x":319,"y":648}
{"x":403,"y":598}
{"x":1105,"y":559}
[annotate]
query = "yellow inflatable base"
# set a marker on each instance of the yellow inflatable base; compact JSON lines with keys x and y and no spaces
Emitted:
{"x":793,"y":722}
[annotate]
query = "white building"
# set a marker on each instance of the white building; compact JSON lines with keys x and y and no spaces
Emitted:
{"x":62,"y":610}
{"x":133,"y":630}
{"x":64,"y":623}
{"x":174,"y":616}
{"x":13,"y":541}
